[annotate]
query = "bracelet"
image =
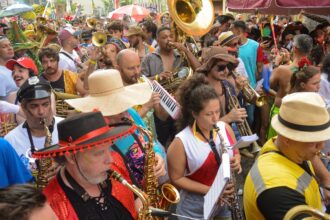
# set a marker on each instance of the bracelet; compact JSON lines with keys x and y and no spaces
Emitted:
{"x":93,"y":62}
{"x":157,"y":77}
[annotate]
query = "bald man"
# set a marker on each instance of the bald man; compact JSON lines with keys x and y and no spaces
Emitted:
{"x":129,"y":66}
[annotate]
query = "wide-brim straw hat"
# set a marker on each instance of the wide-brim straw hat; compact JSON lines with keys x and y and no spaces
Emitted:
{"x":108,"y":94}
{"x":212,"y":54}
{"x":135,"y":30}
{"x":303,"y":117}
{"x":84,"y":131}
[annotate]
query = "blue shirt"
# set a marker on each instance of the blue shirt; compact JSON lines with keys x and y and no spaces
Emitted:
{"x":248,"y":53}
{"x":12,"y":170}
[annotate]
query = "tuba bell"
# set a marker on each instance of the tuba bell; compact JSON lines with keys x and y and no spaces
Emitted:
{"x":91,"y":22}
{"x":193,"y":17}
{"x":307,"y":210}
{"x":99,"y":39}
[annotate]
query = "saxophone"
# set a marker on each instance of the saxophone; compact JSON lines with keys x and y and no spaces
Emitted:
{"x":44,"y":164}
{"x":233,"y":205}
{"x":144,"y":212}
{"x":167,"y":194}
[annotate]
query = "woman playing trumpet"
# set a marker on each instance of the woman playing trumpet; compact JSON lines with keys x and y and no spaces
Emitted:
{"x":194,"y":156}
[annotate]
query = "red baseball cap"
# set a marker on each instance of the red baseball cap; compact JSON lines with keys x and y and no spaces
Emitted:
{"x":24,"y":62}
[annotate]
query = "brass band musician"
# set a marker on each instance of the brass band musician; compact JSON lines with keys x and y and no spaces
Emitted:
{"x":195,"y":155}
{"x":283,"y":176}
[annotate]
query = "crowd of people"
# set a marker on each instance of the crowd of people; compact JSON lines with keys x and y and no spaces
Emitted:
{"x":83,"y":104}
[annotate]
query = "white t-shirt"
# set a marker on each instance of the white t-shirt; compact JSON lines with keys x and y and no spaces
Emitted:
{"x":19,"y":139}
{"x":7,"y":83}
{"x":67,"y":63}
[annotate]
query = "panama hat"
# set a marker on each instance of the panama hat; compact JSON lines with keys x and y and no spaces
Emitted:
{"x":212,"y":54}
{"x":108,"y":94}
{"x":303,"y":117}
{"x":83,"y":131}
{"x":225,"y":37}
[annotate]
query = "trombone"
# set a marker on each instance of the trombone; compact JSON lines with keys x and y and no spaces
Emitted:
{"x":305,"y":209}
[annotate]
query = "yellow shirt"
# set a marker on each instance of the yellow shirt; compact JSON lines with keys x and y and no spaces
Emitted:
{"x":272,"y":170}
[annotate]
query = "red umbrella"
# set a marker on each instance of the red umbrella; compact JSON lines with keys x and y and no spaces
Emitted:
{"x":280,"y":6}
{"x":135,"y":11}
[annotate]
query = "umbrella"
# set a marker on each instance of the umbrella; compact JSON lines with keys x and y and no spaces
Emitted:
{"x":280,"y":6}
{"x":135,"y":11}
{"x":15,"y":10}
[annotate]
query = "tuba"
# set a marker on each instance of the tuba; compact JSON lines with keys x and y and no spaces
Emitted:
{"x":44,"y":164}
{"x":63,"y":108}
{"x":7,"y":123}
{"x":305,"y":209}
{"x":190,"y":18}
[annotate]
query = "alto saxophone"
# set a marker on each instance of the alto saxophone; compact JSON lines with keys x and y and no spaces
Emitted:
{"x":233,"y":205}
{"x":44,"y":164}
{"x":168,"y":193}
{"x":144,"y":212}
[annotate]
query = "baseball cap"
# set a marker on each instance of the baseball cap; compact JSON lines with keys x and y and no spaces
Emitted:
{"x":24,"y":62}
{"x":68,"y":32}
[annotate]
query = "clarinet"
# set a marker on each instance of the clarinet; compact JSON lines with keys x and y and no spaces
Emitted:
{"x":233,"y":205}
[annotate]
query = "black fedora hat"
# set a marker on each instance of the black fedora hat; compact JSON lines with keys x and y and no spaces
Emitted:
{"x":83,"y":131}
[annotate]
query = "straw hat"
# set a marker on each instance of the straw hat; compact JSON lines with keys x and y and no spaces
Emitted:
{"x":303,"y":117}
{"x":108,"y":94}
{"x":212,"y":54}
{"x":83,"y":131}
{"x":135,"y":30}
{"x":225,"y":37}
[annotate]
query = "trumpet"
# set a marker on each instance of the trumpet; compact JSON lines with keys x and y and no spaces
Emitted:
{"x":250,"y":95}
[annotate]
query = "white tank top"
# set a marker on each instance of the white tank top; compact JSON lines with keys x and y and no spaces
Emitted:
{"x":197,"y":150}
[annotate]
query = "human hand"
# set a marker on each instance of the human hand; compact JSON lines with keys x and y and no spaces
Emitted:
{"x":154,"y":100}
{"x":165,"y":75}
{"x":52,"y":171}
{"x":237,"y":115}
{"x":159,"y":167}
{"x":235,"y":163}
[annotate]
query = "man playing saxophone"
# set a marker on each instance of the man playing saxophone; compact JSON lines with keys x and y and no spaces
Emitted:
{"x":34,"y":96}
{"x":108,"y":94}
{"x":283,"y":176}
{"x":83,"y":189}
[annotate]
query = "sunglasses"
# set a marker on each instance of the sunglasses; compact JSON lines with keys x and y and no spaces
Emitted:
{"x":221,"y":68}
{"x":229,"y":66}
